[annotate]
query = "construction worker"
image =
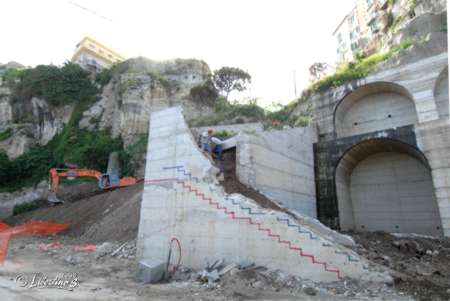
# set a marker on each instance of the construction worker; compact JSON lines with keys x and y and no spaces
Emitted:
{"x":205,"y":140}
{"x":211,"y":144}
{"x":217,"y":147}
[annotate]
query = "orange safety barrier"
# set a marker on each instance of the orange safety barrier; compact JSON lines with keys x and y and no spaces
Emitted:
{"x":3,"y":226}
{"x":4,"y":243}
{"x":31,"y":228}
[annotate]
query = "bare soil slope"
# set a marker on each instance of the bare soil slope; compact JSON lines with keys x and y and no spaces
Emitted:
{"x":109,"y":216}
{"x":421,"y":266}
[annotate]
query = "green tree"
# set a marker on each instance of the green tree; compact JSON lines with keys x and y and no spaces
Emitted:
{"x":317,"y":70}
{"x":59,"y":86}
{"x":228,"y":79}
{"x":205,"y":93}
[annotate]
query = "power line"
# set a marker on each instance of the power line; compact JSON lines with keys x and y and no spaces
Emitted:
{"x":92,"y":12}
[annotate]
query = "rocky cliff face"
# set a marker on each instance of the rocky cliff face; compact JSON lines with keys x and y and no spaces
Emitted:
{"x":31,"y":122}
{"x":124,"y":105}
{"x":427,"y":25}
{"x":147,"y":86}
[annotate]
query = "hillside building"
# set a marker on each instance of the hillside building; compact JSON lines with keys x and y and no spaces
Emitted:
{"x":92,"y":55}
{"x":364,"y":26}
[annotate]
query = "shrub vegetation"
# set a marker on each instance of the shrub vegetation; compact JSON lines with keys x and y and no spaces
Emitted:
{"x":6,"y":134}
{"x":26,"y":207}
{"x":57,"y":85}
{"x":359,"y":69}
{"x":69,"y":84}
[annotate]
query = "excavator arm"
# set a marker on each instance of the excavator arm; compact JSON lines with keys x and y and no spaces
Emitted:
{"x":105,"y":181}
{"x":55,"y":174}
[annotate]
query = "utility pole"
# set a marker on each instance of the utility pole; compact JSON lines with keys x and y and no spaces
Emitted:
{"x":295,"y":85}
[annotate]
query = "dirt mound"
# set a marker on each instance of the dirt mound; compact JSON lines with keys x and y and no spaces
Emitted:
{"x":421,"y":265}
{"x":109,"y":216}
{"x":97,"y":216}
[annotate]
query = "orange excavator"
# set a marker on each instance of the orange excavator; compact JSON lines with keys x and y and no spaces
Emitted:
{"x":105,"y":181}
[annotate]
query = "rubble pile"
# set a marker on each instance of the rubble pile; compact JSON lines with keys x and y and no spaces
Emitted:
{"x":247,"y":280}
{"x":418,"y":258}
{"x":420,"y":265}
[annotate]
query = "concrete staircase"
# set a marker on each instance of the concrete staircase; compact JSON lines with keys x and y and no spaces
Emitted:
{"x":183,"y":201}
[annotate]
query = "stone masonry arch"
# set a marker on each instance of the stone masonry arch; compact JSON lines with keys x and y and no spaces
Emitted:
{"x":373,"y":107}
{"x":385,"y":184}
{"x":440,"y":93}
{"x":422,"y":88}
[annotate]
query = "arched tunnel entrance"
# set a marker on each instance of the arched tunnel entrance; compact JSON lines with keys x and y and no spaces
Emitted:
{"x":373,"y":107}
{"x":384,"y":184}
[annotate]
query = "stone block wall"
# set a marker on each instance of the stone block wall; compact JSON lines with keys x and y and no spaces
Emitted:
{"x":328,"y":178}
{"x":434,"y":141}
{"x":369,"y":110}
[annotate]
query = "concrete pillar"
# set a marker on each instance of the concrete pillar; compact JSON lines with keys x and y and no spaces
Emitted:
{"x":434,"y":140}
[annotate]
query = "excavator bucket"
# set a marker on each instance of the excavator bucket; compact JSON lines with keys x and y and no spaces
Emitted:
{"x":52,"y":198}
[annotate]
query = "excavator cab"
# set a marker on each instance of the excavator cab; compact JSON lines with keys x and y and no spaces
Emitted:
{"x":108,"y":181}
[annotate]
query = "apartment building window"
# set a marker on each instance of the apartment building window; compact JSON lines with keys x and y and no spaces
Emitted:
{"x":353,"y":35}
{"x":354,"y":46}
{"x":339,"y":38}
{"x":373,"y":26}
{"x":369,"y":3}
{"x":352,"y":20}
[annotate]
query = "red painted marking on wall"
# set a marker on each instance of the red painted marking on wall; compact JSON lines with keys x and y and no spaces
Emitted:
{"x":174,"y":239}
{"x":260,"y":228}
{"x":160,"y":180}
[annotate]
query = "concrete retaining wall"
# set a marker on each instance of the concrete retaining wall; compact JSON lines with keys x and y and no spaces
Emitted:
{"x":182,"y":203}
{"x":280,"y":165}
{"x":434,"y":140}
{"x":27,"y":195}
{"x":376,"y":107}
{"x":393,"y":192}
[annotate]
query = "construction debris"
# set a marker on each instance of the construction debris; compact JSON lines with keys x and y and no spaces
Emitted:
{"x":233,"y":280}
{"x":408,"y":257}
{"x":86,"y":248}
{"x":109,"y":223}
{"x":118,"y":249}
{"x":420,"y":265}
